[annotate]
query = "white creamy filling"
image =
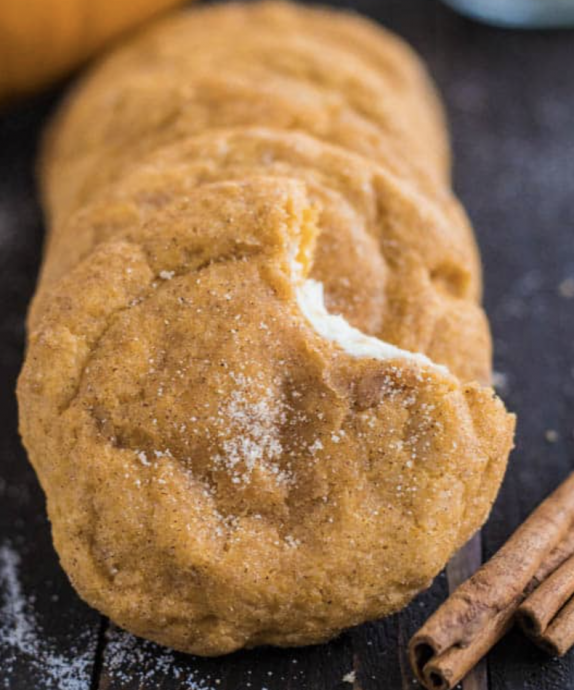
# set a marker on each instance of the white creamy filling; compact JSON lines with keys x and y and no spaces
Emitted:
{"x":336,"y":329}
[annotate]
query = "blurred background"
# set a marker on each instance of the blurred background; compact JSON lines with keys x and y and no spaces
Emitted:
{"x":44,"y":40}
{"x":525,"y":14}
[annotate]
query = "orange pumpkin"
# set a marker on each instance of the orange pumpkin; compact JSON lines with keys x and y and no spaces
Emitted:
{"x":41,"y":40}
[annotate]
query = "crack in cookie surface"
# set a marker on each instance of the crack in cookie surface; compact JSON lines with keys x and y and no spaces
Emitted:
{"x":222,"y":468}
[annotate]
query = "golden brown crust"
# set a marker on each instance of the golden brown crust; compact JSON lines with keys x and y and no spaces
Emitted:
{"x":391,"y":263}
{"x":279,"y":74}
{"x":219,"y":475}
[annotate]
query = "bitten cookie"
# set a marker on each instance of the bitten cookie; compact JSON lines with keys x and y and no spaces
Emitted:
{"x":256,"y":387}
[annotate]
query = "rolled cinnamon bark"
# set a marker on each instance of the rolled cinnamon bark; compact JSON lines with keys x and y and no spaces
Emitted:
{"x":557,"y":557}
{"x":444,"y":671}
{"x":558,"y":637}
{"x":481,"y":610}
{"x":543,"y":605}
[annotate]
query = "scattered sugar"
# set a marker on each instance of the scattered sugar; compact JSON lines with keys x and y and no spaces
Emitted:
{"x":129,"y":659}
{"x":142,"y":457}
{"x":315,"y":446}
{"x":252,"y":431}
{"x":349,"y":677}
{"x":166,"y":275}
{"x":292,"y":542}
{"x":21,"y":636}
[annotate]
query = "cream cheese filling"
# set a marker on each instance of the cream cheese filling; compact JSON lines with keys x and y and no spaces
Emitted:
{"x":334,"y":328}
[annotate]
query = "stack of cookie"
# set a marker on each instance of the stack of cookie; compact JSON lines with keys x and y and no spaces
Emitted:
{"x":256,"y":390}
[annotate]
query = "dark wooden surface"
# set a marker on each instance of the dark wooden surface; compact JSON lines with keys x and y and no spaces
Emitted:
{"x":510,"y":97}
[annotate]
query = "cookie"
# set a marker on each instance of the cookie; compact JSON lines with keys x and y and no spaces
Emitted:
{"x":256,"y":384}
{"x":284,"y":79}
{"x":390,"y":261}
{"x":222,"y":473}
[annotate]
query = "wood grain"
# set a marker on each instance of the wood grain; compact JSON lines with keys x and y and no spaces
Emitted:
{"x":464,"y":564}
{"x":47,"y":635}
{"x":511,"y":108}
{"x":510,"y":98}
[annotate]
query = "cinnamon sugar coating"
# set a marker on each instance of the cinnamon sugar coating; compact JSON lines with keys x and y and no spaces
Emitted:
{"x":218,"y":475}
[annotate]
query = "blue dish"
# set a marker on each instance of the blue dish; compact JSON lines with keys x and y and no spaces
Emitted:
{"x":525,"y":14}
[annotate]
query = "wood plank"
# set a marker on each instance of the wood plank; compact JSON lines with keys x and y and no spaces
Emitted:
{"x":47,"y":635}
{"x":510,"y":98}
{"x":464,"y":564}
{"x":511,"y":104}
{"x":360,"y":659}
{"x":130,"y":663}
{"x":429,"y":30}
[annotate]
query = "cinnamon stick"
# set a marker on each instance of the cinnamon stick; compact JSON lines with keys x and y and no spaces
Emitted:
{"x":558,"y":637}
{"x":444,"y":671}
{"x":547,"y":615}
{"x":481,"y":610}
{"x":457,"y":662}
{"x":541,"y":607}
{"x":557,"y":557}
